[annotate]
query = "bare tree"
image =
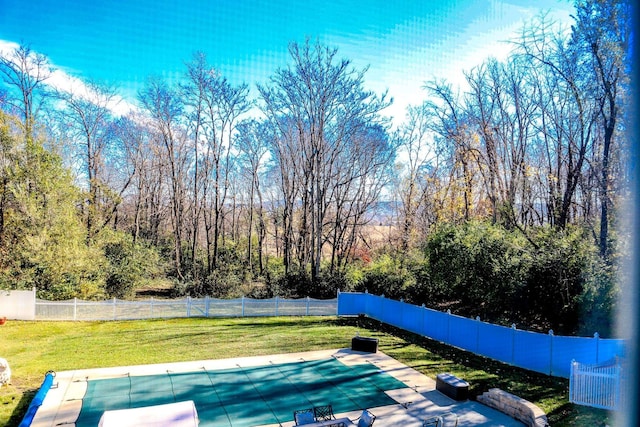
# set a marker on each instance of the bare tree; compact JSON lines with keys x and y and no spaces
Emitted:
{"x":198,"y":83}
{"x":502,"y":109}
{"x":287,"y":169}
{"x":214,"y":106}
{"x":416,"y":149}
{"x":568,"y":114}
{"x":452,"y":134}
{"x":252,"y":143}
{"x":361,"y":172}
{"x":323,"y":100}
{"x":89,"y":123}
{"x":602,"y":32}
{"x":25,"y":72}
{"x":165,"y":108}
{"x":138,"y":165}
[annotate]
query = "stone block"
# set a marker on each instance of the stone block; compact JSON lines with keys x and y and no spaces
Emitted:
{"x":515,"y":407}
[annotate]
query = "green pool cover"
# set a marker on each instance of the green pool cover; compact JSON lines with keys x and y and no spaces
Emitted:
{"x":243,"y":397}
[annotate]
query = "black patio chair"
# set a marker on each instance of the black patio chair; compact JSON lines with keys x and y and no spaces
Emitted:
{"x":323,"y":413}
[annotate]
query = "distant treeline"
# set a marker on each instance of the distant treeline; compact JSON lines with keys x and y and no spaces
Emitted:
{"x":506,"y":197}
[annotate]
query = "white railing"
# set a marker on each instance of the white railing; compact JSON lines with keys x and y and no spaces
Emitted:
{"x":599,"y":386}
{"x":116,"y":309}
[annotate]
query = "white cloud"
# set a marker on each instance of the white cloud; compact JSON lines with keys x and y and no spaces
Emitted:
{"x":442,"y":47}
{"x":6,"y":47}
{"x":64,"y":82}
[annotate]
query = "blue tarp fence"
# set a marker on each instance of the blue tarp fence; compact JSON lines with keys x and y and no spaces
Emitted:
{"x":544,"y":353}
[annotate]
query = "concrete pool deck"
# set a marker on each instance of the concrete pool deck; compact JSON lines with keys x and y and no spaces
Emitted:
{"x":417,"y":402}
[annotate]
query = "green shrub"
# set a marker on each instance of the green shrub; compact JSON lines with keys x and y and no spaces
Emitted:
{"x":598,"y":299}
{"x":299,"y":284}
{"x":329,"y":284}
{"x":568,"y":285}
{"x":42,"y":236}
{"x":480,"y":268}
{"x":387,"y":275}
{"x":129,"y":265}
{"x":552,"y":280}
{"x":290,"y":285}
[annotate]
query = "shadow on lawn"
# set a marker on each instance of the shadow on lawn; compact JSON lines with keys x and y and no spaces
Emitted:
{"x":21,"y":408}
{"x":575,"y":415}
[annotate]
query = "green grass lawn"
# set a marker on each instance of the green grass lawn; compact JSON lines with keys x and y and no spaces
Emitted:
{"x":33,"y":348}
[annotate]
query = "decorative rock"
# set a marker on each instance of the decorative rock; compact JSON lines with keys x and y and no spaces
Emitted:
{"x":5,"y":372}
{"x":515,"y":407}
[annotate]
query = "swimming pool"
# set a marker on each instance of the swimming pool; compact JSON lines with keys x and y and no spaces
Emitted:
{"x":245,"y":396}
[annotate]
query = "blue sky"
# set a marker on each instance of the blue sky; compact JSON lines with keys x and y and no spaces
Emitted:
{"x":405,"y":43}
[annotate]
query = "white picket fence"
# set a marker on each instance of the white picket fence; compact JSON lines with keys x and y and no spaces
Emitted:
{"x":598,"y":386}
{"x":116,"y":309}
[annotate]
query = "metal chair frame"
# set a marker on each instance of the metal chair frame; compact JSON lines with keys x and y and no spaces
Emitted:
{"x":371,"y":416}
{"x":438,"y":420}
{"x":323,"y":413}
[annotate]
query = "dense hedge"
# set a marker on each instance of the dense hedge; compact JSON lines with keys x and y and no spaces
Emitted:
{"x":553,"y":279}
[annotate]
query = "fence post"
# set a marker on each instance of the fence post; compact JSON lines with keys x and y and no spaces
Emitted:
{"x":477,"y":333}
{"x":75,"y":308}
{"x":114,"y":309}
{"x":188,"y":306}
{"x":382,"y":319}
{"x":448,"y":326}
{"x":550,"y":351}
{"x":422,"y":331}
{"x":572,"y":380}
{"x":308,"y":299}
{"x":206,"y":306}
{"x":513,"y":343}
{"x":366,"y":302}
{"x":151,"y":304}
{"x":242,"y":305}
{"x":618,"y":404}
{"x":276,"y":305}
{"x":35,"y":305}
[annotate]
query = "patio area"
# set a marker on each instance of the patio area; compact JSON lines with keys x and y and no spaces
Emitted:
{"x":418,"y":400}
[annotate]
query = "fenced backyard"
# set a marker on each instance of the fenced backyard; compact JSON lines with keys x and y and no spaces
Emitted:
{"x":66,"y":345}
{"x":545,"y":353}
